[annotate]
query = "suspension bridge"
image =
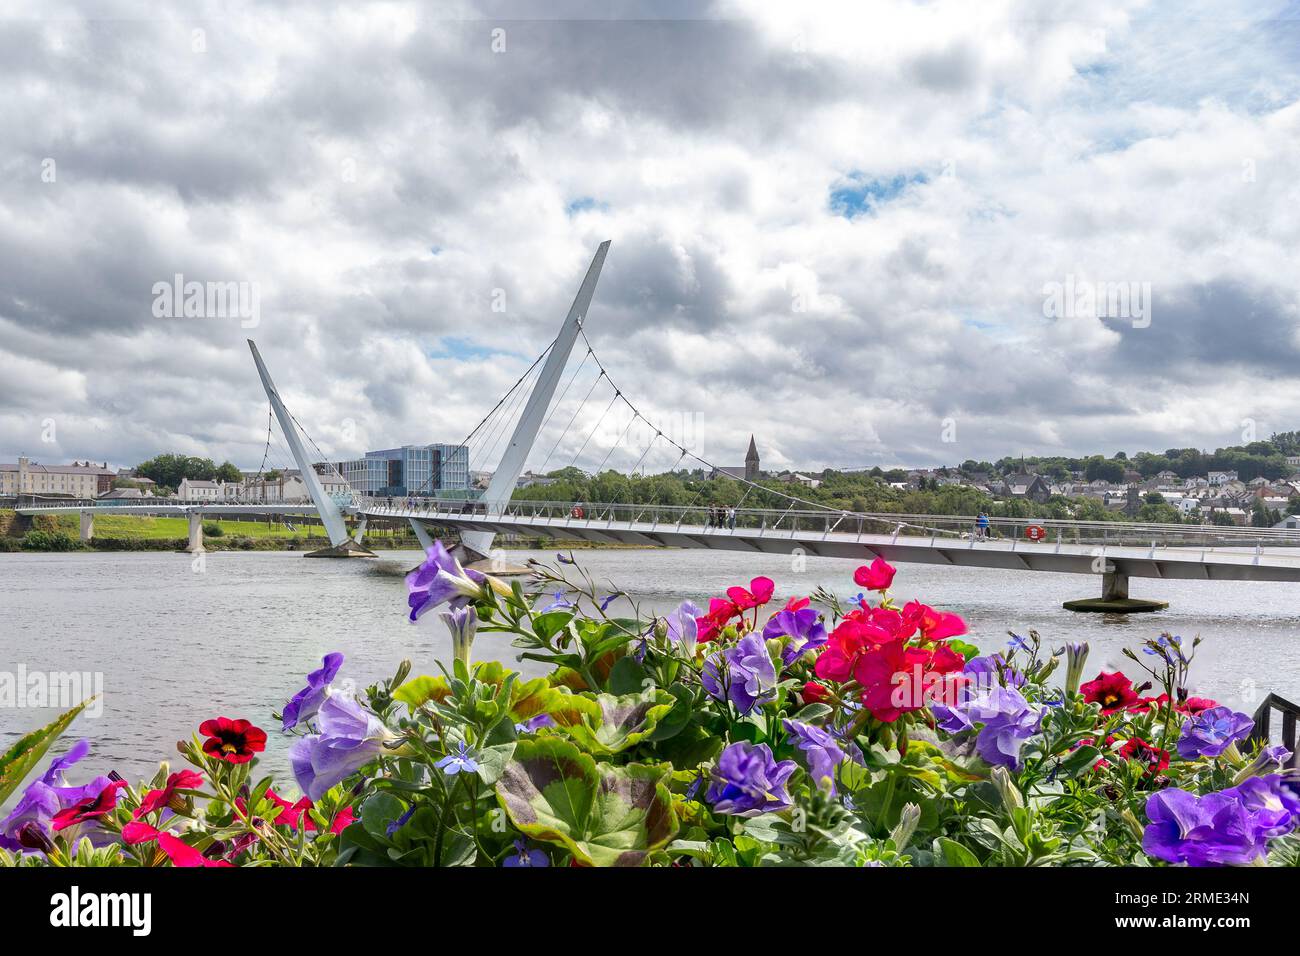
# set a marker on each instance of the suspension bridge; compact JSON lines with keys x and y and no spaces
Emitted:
{"x":764,"y":521}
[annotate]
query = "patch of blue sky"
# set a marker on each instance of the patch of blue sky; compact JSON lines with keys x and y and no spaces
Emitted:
{"x":584,"y":204}
{"x":1179,"y":53}
{"x":859,"y":194}
{"x":462,"y":349}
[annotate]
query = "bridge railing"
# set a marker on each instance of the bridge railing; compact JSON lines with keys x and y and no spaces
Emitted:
{"x":99,"y":503}
{"x":1289,"y":713}
{"x":810,"y":521}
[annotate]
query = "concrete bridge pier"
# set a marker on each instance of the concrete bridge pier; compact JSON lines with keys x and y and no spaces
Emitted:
{"x":196,"y":534}
{"x":1115,"y":598}
{"x":360,"y":534}
{"x":87,"y":526}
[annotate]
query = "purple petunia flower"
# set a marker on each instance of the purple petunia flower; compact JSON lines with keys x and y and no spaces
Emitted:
{"x":441,"y":580}
{"x":307,"y":701}
{"x":747,"y":781}
{"x":821,"y":749}
{"x":462,"y":623}
{"x":28,"y":825}
{"x":1005,"y":720}
{"x":805,"y":631}
{"x":750,"y":675}
{"x":991,"y":671}
{"x":682,"y":628}
{"x":1229,"y":828}
{"x":350,"y":737}
{"x":1212,"y":731}
{"x":525,"y":857}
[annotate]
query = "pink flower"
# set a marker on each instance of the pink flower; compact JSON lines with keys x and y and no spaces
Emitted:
{"x":877,"y":576}
{"x":182,"y":854}
{"x":137,"y":832}
{"x":759,"y":593}
{"x":166,"y":797}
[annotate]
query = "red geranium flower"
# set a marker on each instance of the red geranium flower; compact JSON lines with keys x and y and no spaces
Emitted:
{"x":877,"y":576}
{"x":1194,"y":705}
{"x":1145,"y":704}
{"x":90,"y":808}
{"x":897,"y":680}
{"x":1113,"y":691}
{"x":1153,"y":758}
{"x":933,"y":625}
{"x":759,"y":593}
{"x":166,"y":797}
{"x":182,"y":854}
{"x":796,"y":604}
{"x":815,"y":693}
{"x":707,"y":626}
{"x":235,"y":741}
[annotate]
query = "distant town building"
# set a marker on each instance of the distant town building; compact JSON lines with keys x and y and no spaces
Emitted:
{"x":421,"y":470}
{"x":78,"y":480}
{"x":1217,"y":478}
{"x":1029,"y":487}
{"x":199,"y":490}
{"x":749,"y":471}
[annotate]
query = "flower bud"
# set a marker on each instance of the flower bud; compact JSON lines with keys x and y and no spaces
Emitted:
{"x":1011,"y":798}
{"x":901,"y":835}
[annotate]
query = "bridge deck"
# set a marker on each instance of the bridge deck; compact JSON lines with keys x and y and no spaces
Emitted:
{"x":1196,"y":563}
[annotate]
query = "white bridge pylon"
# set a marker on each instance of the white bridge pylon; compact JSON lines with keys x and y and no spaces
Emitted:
{"x":330,"y":514}
{"x":479,"y":542}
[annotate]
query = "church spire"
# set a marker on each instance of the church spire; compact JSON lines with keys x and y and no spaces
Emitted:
{"x":751,"y":461}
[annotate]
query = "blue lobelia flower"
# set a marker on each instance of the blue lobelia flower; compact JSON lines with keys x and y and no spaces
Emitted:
{"x":805,"y":630}
{"x":821,"y":750}
{"x":350,"y":737}
{"x":525,"y":857}
{"x":750,"y":675}
{"x":747,"y":781}
{"x":307,"y":701}
{"x":558,"y":603}
{"x":462,"y":761}
{"x":441,"y":580}
{"x":534,"y":724}
{"x":1210,"y":732}
{"x":399,"y":822}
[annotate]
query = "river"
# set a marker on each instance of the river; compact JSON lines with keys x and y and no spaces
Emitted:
{"x":175,"y":646}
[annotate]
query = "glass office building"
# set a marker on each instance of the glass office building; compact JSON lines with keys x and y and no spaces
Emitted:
{"x":419,"y":470}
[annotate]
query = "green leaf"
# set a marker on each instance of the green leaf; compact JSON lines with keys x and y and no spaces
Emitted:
{"x":954,"y":854}
{"x":418,"y":691}
{"x":626,"y":677}
{"x":492,"y":761}
{"x":603,"y":815}
{"x":612,"y":723}
{"x":22,"y":758}
{"x":379,"y":810}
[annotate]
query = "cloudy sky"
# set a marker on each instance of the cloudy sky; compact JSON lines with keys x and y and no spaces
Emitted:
{"x":839,"y":231}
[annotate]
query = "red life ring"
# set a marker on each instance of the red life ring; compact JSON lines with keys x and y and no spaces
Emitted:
{"x":1035,"y":532}
{"x":576,"y":512}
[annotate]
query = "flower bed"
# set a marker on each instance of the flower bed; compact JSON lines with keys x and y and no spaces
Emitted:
{"x":813,"y":732}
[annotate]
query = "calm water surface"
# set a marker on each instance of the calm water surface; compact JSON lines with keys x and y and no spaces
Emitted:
{"x":175,"y":647}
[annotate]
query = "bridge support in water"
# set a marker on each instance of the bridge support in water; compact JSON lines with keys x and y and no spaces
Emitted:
{"x":1114,"y":598}
{"x":195,"y":545}
{"x":86,"y":531}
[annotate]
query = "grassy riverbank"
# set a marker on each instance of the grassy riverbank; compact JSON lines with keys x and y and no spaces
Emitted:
{"x":145,"y":533}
